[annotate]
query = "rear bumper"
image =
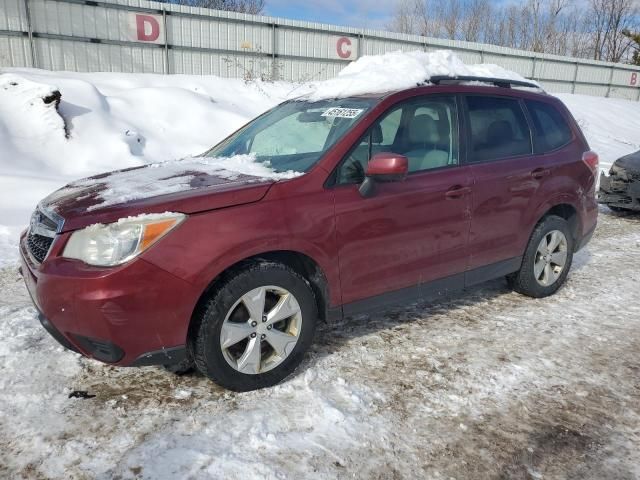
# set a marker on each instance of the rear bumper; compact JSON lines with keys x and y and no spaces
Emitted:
{"x":618,"y":192}
{"x":133,"y":315}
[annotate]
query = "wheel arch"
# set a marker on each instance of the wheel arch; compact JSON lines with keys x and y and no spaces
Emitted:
{"x":566,"y":210}
{"x":299,"y":262}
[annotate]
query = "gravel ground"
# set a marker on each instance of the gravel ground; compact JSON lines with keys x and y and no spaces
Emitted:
{"x":488,"y":384}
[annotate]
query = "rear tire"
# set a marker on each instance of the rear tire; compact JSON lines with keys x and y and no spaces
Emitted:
{"x":547,"y":259}
{"x":239,"y":343}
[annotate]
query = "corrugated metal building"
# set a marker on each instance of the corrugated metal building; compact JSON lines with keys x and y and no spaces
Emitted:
{"x":151,"y":37}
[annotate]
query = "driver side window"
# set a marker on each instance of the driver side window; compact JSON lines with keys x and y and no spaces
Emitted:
{"x":380,"y":138}
{"x":424,"y":129}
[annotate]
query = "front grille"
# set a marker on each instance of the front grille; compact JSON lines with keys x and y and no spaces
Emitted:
{"x":44,"y":226}
{"x":38,"y":246}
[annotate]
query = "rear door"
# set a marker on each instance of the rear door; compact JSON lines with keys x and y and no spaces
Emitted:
{"x":409,"y":232}
{"x":506,"y":177}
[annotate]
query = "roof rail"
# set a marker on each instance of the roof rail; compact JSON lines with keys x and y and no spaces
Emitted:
{"x":498,"y":82}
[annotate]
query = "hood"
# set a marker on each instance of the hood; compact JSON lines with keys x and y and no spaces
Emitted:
{"x":630,"y":163}
{"x":187,"y":186}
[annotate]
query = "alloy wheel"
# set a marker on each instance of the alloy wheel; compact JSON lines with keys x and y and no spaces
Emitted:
{"x":261,"y":330}
{"x":551,"y":258}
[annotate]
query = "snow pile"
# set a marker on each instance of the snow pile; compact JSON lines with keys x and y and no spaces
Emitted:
{"x":119,"y":120}
{"x":31,"y":124}
{"x":400,"y":70}
{"x":168,"y":177}
{"x":107,"y":122}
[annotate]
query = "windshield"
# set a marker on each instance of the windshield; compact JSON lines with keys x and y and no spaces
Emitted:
{"x":296,"y":134}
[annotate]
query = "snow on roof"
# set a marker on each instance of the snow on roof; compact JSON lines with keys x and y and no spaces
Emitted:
{"x":400,"y":70}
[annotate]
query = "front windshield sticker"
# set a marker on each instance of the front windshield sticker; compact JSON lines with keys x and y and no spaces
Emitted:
{"x":340,"y":112}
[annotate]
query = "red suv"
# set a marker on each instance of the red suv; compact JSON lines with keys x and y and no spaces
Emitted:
{"x":314,"y":211}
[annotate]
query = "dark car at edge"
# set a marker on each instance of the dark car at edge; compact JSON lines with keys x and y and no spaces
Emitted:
{"x":620,"y":190}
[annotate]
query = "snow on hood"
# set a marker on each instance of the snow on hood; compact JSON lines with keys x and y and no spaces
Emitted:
{"x":157,"y":179}
{"x":400,"y":70}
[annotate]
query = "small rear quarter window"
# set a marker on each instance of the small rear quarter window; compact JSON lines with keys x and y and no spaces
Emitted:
{"x":550,"y":127}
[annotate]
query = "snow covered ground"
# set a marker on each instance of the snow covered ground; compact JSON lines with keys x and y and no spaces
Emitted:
{"x":487,"y":384}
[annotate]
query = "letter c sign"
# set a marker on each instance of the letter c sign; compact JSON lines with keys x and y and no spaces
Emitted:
{"x":343,"y":47}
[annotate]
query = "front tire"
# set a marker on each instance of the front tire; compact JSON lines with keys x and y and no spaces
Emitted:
{"x":254,"y":330}
{"x":547,"y":259}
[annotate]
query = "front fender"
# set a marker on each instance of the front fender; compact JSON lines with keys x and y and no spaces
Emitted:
{"x":207,"y":244}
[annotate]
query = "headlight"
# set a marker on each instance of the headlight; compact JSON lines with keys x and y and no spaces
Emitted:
{"x":119,"y":242}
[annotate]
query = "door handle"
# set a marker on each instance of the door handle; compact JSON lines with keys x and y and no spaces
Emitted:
{"x":457,"y":192}
{"x":539,"y":173}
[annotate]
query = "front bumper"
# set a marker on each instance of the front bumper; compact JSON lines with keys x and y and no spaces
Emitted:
{"x":136,"y":314}
{"x":619,"y":192}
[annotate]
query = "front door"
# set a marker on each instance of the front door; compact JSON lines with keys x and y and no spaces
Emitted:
{"x":409,"y":232}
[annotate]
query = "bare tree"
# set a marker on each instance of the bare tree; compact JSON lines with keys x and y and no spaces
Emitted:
{"x":623,"y":16}
{"x":404,"y":17}
{"x":254,"y":7}
{"x":609,"y":18}
{"x":507,"y":30}
{"x":451,"y":14}
{"x":479,"y":14}
{"x":582,"y":28}
{"x":428,"y":18}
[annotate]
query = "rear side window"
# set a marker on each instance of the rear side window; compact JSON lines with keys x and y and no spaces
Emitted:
{"x":551,"y":129}
{"x":498,"y":129}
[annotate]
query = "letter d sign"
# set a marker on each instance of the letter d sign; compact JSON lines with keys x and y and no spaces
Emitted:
{"x":146,"y":28}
